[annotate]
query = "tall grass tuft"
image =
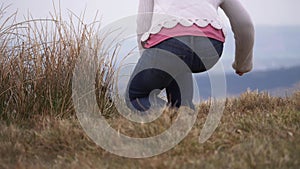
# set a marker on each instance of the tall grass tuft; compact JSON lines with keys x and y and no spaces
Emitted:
{"x":37,"y":59}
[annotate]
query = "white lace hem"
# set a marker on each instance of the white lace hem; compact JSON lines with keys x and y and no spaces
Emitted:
{"x":171,"y":23}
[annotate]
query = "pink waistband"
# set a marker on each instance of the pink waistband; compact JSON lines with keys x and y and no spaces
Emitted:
{"x":180,"y":30}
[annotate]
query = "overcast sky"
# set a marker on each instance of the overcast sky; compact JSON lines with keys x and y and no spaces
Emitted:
{"x":267,"y":12}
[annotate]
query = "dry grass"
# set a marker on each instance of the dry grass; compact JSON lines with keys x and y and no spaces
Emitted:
{"x":39,"y":128}
{"x":37,"y":59}
{"x":247,"y":137}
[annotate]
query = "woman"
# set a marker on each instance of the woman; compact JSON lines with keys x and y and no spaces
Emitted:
{"x":191,"y":31}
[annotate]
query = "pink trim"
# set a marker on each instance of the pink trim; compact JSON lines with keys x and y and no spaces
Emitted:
{"x":180,"y":30}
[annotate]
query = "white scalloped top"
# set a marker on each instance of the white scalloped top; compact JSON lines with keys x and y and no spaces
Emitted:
{"x":172,"y":22}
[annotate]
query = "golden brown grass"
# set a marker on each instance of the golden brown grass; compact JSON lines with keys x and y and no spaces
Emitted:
{"x":248,"y":137}
{"x":37,"y":59}
{"x":39,"y":128}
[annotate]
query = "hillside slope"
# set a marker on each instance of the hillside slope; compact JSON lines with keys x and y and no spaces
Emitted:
{"x":256,"y":131}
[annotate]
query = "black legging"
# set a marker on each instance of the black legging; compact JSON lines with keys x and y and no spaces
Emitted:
{"x":198,"y":53}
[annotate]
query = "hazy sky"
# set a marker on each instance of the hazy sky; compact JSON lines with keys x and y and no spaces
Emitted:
{"x":263,"y":12}
{"x":274,"y":12}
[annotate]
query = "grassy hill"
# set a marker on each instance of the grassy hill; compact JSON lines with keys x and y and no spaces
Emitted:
{"x":39,"y":128}
{"x":256,"y":131}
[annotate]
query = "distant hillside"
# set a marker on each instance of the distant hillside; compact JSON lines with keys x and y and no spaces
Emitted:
{"x":274,"y":47}
{"x":271,"y":80}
